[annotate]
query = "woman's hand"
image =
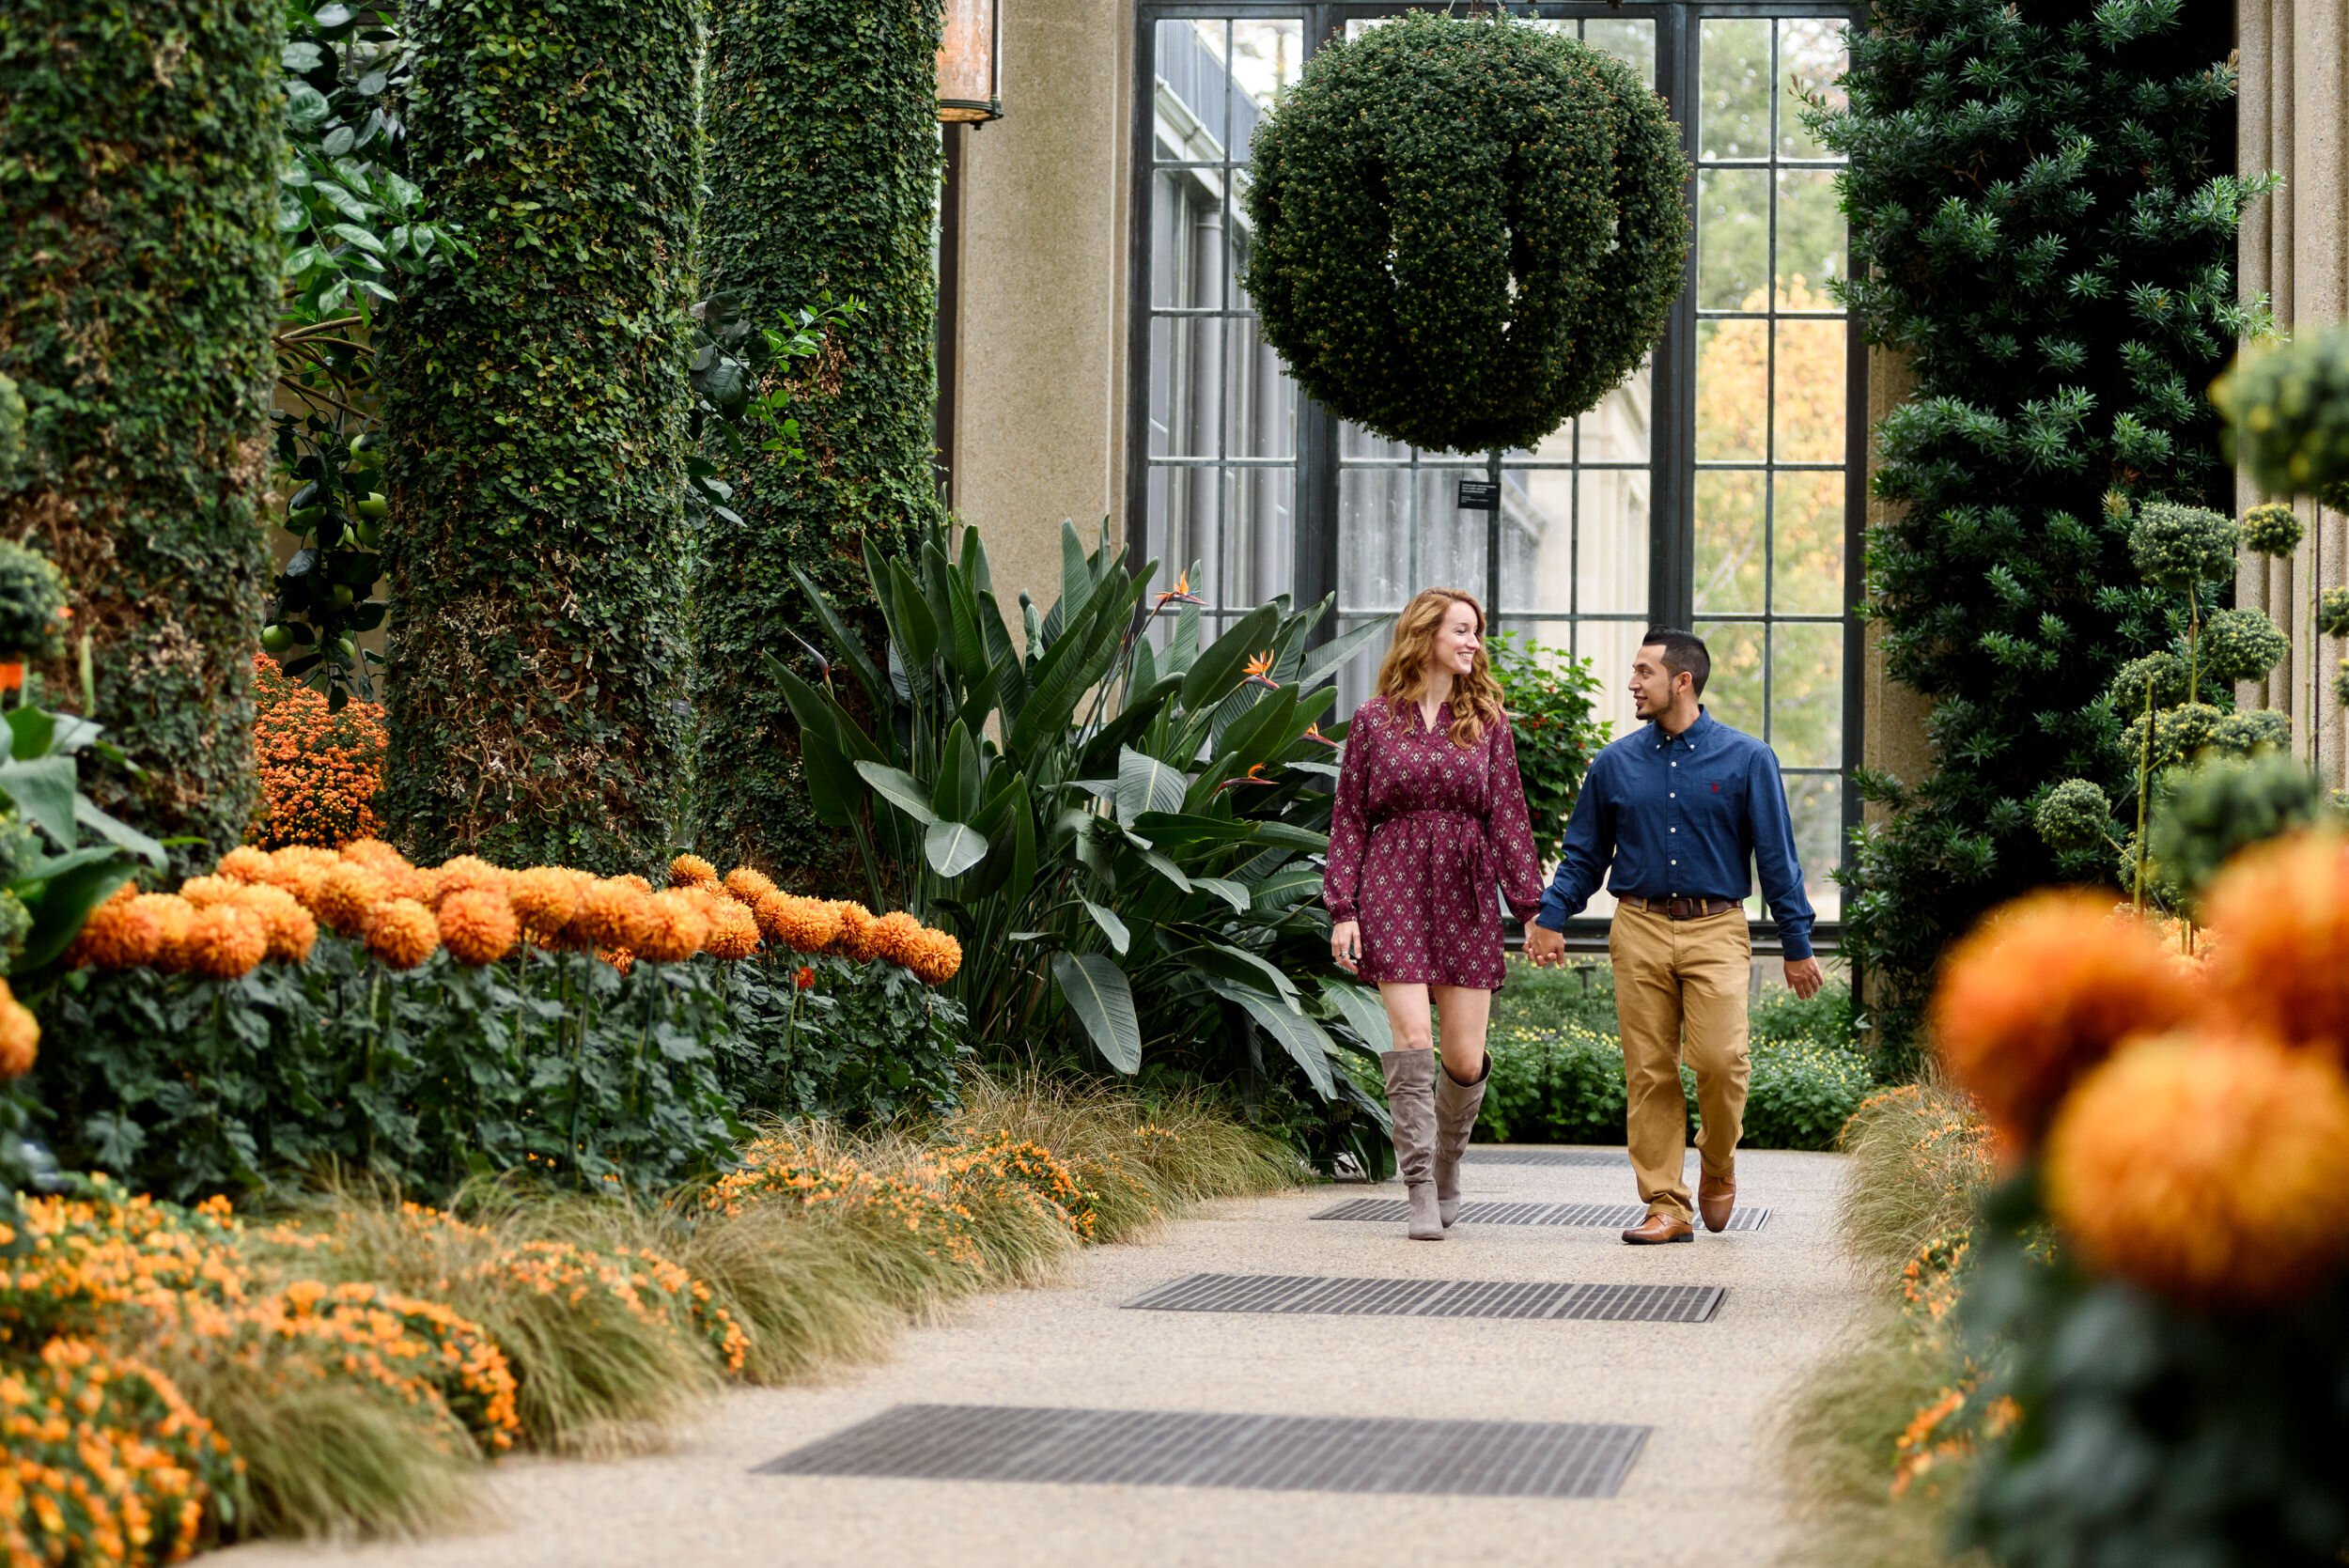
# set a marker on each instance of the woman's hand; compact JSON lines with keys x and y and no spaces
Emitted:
{"x":1345,"y":945}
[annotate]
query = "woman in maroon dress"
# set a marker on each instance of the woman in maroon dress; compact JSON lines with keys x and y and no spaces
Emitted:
{"x":1429,"y":831}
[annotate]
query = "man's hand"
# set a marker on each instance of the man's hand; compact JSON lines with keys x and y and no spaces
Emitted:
{"x":1803,"y":977}
{"x":1544,"y":946}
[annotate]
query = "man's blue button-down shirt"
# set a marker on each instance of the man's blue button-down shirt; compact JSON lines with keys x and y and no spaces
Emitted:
{"x":1683,"y":817}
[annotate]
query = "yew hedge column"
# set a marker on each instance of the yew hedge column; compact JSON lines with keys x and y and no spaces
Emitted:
{"x":537,"y":398}
{"x":824,"y":165}
{"x":139,"y":145}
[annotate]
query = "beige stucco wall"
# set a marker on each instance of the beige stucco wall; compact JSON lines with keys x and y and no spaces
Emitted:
{"x":1040,"y":367}
{"x":2294,"y":249}
{"x":1893,"y":740}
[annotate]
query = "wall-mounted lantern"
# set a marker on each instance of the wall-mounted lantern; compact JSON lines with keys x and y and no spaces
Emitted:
{"x":970,"y":62}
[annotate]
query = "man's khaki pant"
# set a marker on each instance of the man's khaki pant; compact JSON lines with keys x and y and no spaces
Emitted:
{"x":1670,"y":976}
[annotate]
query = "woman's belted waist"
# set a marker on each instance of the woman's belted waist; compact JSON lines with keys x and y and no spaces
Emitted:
{"x":1470,"y":817}
{"x":1471,"y":878}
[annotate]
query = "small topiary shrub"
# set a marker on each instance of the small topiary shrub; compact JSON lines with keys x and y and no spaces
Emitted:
{"x":1466,"y":232}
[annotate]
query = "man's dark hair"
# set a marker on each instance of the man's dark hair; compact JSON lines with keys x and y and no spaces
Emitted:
{"x":1684,"y":654}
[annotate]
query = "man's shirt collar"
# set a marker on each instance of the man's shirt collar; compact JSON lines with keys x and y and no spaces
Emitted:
{"x":1694,"y":736}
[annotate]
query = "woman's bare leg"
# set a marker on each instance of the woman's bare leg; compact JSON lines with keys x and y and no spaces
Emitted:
{"x":1408,"y":1014}
{"x":1465,"y":1012}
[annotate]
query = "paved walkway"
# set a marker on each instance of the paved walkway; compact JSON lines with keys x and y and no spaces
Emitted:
{"x":1703,"y":1492}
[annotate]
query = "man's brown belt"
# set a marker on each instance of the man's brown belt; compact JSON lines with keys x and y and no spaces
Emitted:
{"x":1681,"y":909}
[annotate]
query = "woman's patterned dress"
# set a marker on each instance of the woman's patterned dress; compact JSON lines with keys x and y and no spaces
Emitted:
{"x":1423,"y":835}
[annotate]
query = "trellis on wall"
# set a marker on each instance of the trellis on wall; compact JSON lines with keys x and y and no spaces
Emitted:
{"x":1719,"y":487}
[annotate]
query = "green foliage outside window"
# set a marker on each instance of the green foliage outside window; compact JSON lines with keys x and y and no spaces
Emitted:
{"x":1549,"y":695}
{"x":136,"y":293}
{"x":2043,"y":220}
{"x":823,"y":184}
{"x":537,"y":402}
{"x":1466,"y":231}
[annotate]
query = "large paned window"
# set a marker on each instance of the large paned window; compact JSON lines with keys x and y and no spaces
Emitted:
{"x":1716,"y":489}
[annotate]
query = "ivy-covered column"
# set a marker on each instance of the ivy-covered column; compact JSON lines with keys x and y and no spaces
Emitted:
{"x":823,"y":130}
{"x":139,"y":145}
{"x":536,"y":396}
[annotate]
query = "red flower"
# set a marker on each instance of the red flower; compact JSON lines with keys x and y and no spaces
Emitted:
{"x":805,"y":978}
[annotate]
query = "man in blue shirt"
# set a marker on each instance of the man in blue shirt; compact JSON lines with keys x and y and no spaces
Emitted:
{"x":1679,"y":809}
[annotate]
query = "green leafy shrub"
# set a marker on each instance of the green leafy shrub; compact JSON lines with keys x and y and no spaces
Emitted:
{"x":1466,"y":231}
{"x":32,"y":604}
{"x":136,"y":291}
{"x":2036,"y":224}
{"x":2204,"y":815}
{"x":1548,"y":693}
{"x":535,"y":401}
{"x":823,"y":184}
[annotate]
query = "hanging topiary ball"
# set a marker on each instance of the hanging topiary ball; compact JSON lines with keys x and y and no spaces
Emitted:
{"x":2242,"y":645}
{"x":1466,"y":232}
{"x":2271,"y":530}
{"x":2178,"y":547}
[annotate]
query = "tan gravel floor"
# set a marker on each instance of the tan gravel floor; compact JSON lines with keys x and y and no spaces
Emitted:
{"x":1704,"y":1492}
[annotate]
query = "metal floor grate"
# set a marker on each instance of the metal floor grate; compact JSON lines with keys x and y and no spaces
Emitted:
{"x":1613,"y":1216}
{"x":1614,"y":1159}
{"x":1536,"y":1298}
{"x":1279,"y":1454}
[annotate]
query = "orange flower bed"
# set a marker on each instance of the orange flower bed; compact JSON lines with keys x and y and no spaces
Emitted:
{"x":320,"y":770}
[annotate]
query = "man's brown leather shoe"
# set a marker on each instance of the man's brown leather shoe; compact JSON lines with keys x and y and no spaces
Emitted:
{"x":1716,"y":1197}
{"x":1658,"y":1228}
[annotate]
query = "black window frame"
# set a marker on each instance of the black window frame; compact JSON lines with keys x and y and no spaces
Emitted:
{"x":1673,"y":462}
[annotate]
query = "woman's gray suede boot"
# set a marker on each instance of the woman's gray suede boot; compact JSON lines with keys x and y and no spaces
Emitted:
{"x":1456,"y":1105}
{"x":1411,"y":1103}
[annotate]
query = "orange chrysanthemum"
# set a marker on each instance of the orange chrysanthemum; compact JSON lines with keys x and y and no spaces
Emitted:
{"x":467,"y":873}
{"x":804,"y":924}
{"x":172,"y":914}
{"x":748,"y":885}
{"x":244,"y":863}
{"x":344,"y":896}
{"x":477,"y":925}
{"x":691,"y":871}
{"x":2039,"y":994}
{"x":607,"y":909}
{"x":224,"y":941}
{"x":937,"y":958}
{"x":374,"y":852}
{"x":634,"y":881}
{"x":20,"y":1036}
{"x":2280,"y":968}
{"x":618,"y":957}
{"x":120,"y":934}
{"x":319,"y":769}
{"x":856,"y":931}
{"x":2208,"y":1168}
{"x":401,"y":933}
{"x":301,"y":869}
{"x":667,"y":927}
{"x":544,"y":897}
{"x":896,"y":936}
{"x":732,"y":932}
{"x":205,"y":892}
{"x":292,"y":932}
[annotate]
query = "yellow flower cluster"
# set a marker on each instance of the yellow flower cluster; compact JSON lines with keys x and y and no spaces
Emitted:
{"x":1025,"y":1169}
{"x":642,"y":1283}
{"x":843,"y":929}
{"x":102,"y":1461}
{"x":2192,"y":1119}
{"x":935,"y":1194}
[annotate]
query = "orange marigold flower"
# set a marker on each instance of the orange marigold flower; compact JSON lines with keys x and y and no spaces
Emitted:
{"x":2280,"y":968}
{"x":803,"y":924}
{"x":172,"y":914}
{"x":2209,"y":1169}
{"x":2040,"y":993}
{"x":634,"y":881}
{"x":20,"y":1036}
{"x":244,"y":863}
{"x":691,"y":871}
{"x":896,"y":936}
{"x":205,"y":892}
{"x":856,"y":931}
{"x":319,"y":770}
{"x":120,"y":934}
{"x":401,"y":933}
{"x":732,"y":932}
{"x":346,"y":893}
{"x":667,"y":927}
{"x":545,"y":896}
{"x":464,"y":872}
{"x":292,"y":930}
{"x":477,"y":925}
{"x":224,"y":941}
{"x":748,"y":885}
{"x":301,"y":870}
{"x":607,"y":909}
{"x":937,"y":958}
{"x":373,"y":851}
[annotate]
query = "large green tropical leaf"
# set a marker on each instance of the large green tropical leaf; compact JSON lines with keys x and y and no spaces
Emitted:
{"x":44,"y":791}
{"x":860,"y":664}
{"x":1308,"y":1045}
{"x":1359,"y":1005}
{"x":1147,"y":784}
{"x":1287,"y":888}
{"x":1112,"y":927}
{"x":1232,"y":892}
{"x":1212,"y":675}
{"x":60,"y":894}
{"x":1325,"y":660}
{"x":952,"y":848}
{"x":900,"y":788}
{"x":1097,"y":992}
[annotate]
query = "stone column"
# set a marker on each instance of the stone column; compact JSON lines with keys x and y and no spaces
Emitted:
{"x":2294,"y":249}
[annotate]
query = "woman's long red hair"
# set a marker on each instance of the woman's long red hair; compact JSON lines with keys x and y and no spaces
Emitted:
{"x":1403,"y":674}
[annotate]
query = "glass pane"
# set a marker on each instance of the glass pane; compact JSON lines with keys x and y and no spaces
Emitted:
{"x":1375,"y":533}
{"x":1806,"y":694}
{"x":1357,"y":444}
{"x":1807,"y":543}
{"x":1633,"y":42}
{"x":1732,"y":390}
{"x":1358,"y":677}
{"x":1188,"y":541}
{"x":1536,"y":541}
{"x":1450,"y":552}
{"x":1812,"y":244}
{"x":1729,"y":540}
{"x":1191,"y":69}
{"x":1612,"y":548}
{"x":1733,"y":239}
{"x":1614,"y":431}
{"x":1261,"y":412}
{"x":1260,"y":561}
{"x":1192,"y":351}
{"x":1815,"y":801}
{"x":1611,"y":646}
{"x":1734,"y":694}
{"x":1734,"y":90}
{"x":1807,"y":393}
{"x":1165,"y":385}
{"x":1811,"y":58}
{"x":1266,"y":58}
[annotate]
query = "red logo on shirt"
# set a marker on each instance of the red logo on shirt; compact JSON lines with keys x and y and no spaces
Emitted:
{"x":1716,"y":790}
